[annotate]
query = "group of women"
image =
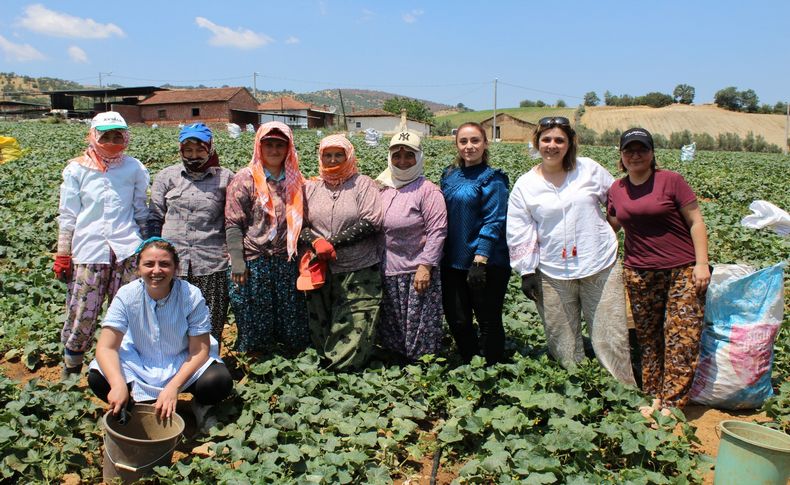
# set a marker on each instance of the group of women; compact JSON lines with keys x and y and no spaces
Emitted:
{"x":349,"y":264}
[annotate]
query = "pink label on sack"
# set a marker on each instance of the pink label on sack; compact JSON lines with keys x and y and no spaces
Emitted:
{"x":750,"y":350}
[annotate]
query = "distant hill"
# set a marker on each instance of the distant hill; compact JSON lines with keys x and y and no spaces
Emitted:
{"x":678,"y":117}
{"x":24,"y":88}
{"x":359,"y":99}
{"x":673,"y":118}
{"x":532,"y":114}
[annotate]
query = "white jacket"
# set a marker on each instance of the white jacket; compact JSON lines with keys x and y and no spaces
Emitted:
{"x":544,"y":220}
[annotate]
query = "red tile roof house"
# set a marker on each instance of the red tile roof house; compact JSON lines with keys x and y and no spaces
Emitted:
{"x":214,"y":105}
{"x":296,"y":114}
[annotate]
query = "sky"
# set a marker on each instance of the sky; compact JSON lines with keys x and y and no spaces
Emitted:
{"x":447,"y":52}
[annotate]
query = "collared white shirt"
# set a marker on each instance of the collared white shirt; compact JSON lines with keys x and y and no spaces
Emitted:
{"x":156,"y":335}
{"x":543,"y":220}
{"x":103,"y":210}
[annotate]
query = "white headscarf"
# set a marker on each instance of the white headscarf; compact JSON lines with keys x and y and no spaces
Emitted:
{"x":395,"y":177}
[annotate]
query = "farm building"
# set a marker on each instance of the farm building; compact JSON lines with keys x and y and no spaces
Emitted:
{"x":384,"y":122}
{"x":295,"y":113}
{"x":10,"y":109}
{"x":212,"y":105}
{"x":123,"y":100}
{"x":509,"y":128}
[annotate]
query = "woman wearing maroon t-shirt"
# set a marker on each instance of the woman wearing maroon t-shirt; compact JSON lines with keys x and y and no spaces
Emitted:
{"x":666,"y":268}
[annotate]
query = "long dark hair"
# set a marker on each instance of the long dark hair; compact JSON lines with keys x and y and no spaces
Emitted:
{"x":460,"y":161}
{"x":569,"y":161}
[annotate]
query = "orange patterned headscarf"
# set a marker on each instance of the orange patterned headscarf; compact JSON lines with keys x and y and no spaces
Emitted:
{"x":340,"y":173}
{"x":294,"y":183}
{"x":98,"y":155}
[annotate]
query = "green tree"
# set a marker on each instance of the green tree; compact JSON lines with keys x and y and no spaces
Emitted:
{"x":679,"y":138}
{"x":660,"y":141}
{"x":728,"y":98}
{"x":683,"y":94}
{"x":591,"y":99}
{"x":749,"y":101}
{"x":730,"y":142}
{"x":587,"y":136}
{"x":415,"y":109}
{"x":442,"y":128}
{"x":561,"y":103}
{"x":527,"y":103}
{"x":780,"y":108}
{"x":654,"y":99}
{"x":704,"y":141}
{"x":540,"y":103}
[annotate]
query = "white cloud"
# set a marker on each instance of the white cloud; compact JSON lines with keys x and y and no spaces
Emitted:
{"x":40,"y":19}
{"x":77,"y":54}
{"x":227,"y":37}
{"x":411,"y":17}
{"x":19,"y":52}
{"x":292,"y":40}
{"x":323,"y":8}
{"x":367,"y":15}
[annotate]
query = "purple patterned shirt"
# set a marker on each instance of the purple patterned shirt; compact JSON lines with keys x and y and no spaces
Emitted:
{"x":415,"y":226}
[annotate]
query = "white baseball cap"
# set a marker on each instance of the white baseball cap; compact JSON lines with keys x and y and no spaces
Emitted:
{"x":109,"y":121}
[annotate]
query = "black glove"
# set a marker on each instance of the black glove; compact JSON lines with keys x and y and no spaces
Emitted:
{"x":530,"y":286}
{"x":476,"y":279}
{"x":357,"y":232}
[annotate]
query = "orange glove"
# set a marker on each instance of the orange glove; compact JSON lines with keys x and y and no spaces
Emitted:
{"x":62,"y":267}
{"x":324,"y":250}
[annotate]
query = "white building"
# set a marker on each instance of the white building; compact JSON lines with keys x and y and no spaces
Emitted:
{"x":295,"y":113}
{"x":384,"y":122}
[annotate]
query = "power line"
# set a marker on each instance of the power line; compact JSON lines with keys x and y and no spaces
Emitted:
{"x":325,"y":83}
{"x":168,"y":81}
{"x":540,"y":90}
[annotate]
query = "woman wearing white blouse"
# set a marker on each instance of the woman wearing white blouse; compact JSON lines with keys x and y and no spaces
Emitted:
{"x":565,"y":251}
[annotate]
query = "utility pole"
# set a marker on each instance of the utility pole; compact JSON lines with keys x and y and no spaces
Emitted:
{"x":104,"y":95}
{"x":493,"y":128}
{"x":787,"y":129}
{"x":255,"y":85}
{"x":343,"y":109}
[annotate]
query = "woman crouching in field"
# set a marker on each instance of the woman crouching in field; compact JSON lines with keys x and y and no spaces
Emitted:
{"x":155,"y":341}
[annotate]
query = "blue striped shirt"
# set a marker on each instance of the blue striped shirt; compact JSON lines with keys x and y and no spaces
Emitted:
{"x":156,"y":335}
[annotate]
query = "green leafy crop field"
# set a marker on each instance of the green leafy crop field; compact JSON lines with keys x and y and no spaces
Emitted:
{"x":526,"y":421}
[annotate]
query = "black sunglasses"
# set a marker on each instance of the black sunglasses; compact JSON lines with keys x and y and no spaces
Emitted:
{"x":549,"y":121}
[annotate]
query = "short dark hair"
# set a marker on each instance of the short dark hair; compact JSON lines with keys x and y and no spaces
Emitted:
{"x":158,"y":243}
{"x":460,"y":161}
{"x":569,"y":161}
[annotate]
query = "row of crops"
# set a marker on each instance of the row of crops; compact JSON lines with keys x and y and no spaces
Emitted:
{"x":526,"y":421}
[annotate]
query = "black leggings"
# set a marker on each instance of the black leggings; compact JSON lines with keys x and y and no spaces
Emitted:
{"x":212,"y":387}
{"x":461,"y":302}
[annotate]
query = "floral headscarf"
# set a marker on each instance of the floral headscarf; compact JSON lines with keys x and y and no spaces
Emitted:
{"x":294,"y":182}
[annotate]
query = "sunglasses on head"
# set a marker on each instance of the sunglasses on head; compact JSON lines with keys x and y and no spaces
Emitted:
{"x":554,"y":121}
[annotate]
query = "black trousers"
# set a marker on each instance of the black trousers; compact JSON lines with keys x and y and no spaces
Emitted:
{"x":212,"y":387}
{"x":461,"y":303}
